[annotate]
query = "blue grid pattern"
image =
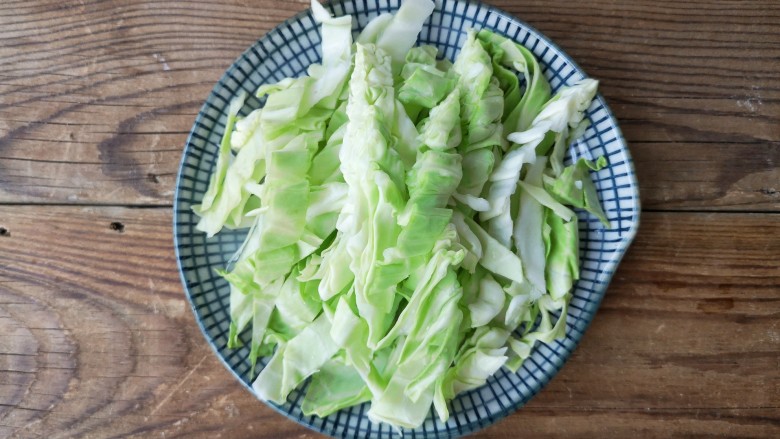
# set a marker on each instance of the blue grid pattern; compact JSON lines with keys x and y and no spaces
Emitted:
{"x":287,"y":51}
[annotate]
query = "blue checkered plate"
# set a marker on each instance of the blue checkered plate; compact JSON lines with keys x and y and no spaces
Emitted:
{"x":286,"y":51}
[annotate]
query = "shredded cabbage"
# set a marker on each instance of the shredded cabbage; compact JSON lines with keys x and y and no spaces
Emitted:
{"x":410,"y":222}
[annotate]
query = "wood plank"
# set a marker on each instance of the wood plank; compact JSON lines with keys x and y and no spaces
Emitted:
{"x":99,"y":340}
{"x":644,"y":423}
{"x":708,"y":176}
{"x":96,"y":99}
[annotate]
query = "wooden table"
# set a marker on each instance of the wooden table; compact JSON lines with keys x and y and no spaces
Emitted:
{"x":97,"y":340}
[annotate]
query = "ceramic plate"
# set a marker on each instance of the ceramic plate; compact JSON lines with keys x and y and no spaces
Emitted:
{"x":286,"y":51}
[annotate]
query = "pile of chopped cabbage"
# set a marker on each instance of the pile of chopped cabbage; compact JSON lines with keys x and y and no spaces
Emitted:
{"x":410,"y":222}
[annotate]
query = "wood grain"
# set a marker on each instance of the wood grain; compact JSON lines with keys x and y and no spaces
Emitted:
{"x":708,"y":176}
{"x":97,"y":103}
{"x":686,"y":342}
{"x":97,"y":97}
{"x":97,"y":340}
